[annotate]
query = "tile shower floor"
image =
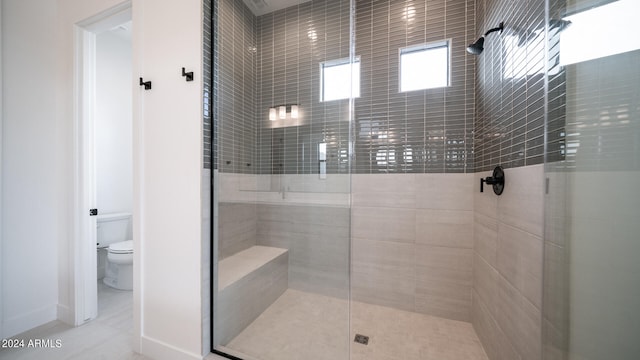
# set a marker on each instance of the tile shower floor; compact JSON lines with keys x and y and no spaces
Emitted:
{"x":302,"y":325}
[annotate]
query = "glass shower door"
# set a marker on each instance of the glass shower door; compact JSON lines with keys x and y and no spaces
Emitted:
{"x":592,"y":274}
{"x":282,"y":181}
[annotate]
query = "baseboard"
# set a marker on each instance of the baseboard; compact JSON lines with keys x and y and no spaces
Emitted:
{"x":21,"y":323}
{"x":66,"y":315}
{"x":159,"y":350}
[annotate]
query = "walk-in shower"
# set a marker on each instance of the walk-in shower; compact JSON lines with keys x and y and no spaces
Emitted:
{"x":350,"y":143}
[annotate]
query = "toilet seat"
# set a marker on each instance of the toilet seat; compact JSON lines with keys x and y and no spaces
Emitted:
{"x":122,"y":247}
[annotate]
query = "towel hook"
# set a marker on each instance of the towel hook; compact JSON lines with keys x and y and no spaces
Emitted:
{"x":188,"y":75}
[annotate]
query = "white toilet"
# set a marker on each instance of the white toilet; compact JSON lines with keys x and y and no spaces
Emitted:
{"x":115,"y":250}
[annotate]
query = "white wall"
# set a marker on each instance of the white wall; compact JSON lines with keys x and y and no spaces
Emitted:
{"x":114,"y":160}
{"x":38,"y":171}
{"x":30,"y":154}
{"x":168,"y":178}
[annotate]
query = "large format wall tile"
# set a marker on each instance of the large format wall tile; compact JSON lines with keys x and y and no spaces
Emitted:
{"x":389,"y":190}
{"x":520,"y":321}
{"x":383,"y":273}
{"x":485,"y":280}
{"x":386,"y":224}
{"x":414,"y":255}
{"x":388,"y":291}
{"x":453,"y":228}
{"x":508,"y":253}
{"x":444,"y":191}
{"x":493,"y":339}
{"x":317,"y":238}
{"x":383,"y":258}
{"x":237,"y":228}
{"x":521,"y":202}
{"x":485,"y":235}
{"x":519,"y":259}
{"x":443,"y":281}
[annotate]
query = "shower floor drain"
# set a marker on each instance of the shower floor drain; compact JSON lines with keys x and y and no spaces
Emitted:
{"x":361,"y":339}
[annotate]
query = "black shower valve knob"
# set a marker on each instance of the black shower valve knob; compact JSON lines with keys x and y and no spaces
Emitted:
{"x":497,"y":181}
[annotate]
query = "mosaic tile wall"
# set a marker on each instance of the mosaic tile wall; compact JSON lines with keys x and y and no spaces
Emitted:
{"x":420,"y":131}
{"x":235,"y":80}
{"x":493,"y":112}
{"x":394,"y":132}
{"x":207,"y":82}
{"x":291,"y":45}
{"x":509,"y":127}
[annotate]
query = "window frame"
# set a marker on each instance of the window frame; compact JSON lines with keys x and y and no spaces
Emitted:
{"x":444,"y":43}
{"x":339,"y":62}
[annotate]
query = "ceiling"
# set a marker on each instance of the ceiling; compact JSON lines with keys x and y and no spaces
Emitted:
{"x":261,"y":7}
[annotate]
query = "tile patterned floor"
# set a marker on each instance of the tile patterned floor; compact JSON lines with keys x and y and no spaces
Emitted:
{"x":301,"y":325}
{"x":297,"y":326}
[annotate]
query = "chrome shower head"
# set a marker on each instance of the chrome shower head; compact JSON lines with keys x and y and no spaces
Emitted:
{"x":477,"y":47}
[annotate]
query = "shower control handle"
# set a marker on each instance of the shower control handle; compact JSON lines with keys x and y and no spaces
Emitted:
{"x":497,"y":181}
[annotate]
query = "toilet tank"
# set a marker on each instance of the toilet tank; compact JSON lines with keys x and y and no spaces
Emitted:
{"x":114,"y":227}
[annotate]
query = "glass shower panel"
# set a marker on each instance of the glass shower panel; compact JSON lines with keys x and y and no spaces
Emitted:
{"x":282,"y":181}
{"x":592,"y":234}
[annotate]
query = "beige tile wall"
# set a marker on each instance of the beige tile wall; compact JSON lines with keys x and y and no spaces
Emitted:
{"x":412,"y":242}
{"x":237,"y":228}
{"x":507,"y":265}
{"x":317,"y":238}
{"x":429,"y":243}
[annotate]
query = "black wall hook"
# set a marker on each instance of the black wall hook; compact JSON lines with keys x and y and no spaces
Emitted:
{"x":188,"y":75}
{"x":147,"y":84}
{"x":497,"y":180}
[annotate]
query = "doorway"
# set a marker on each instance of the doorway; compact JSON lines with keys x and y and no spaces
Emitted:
{"x":103,"y":151}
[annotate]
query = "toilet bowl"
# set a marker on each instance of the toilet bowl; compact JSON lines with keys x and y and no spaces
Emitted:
{"x":119,"y":268}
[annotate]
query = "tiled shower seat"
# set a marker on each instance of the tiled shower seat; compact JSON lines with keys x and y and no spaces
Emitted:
{"x":248,"y":283}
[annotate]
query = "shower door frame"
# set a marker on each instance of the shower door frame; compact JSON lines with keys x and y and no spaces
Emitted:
{"x":214,"y":170}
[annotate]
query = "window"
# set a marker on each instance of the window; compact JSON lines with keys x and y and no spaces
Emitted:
{"x":616,"y":32}
{"x":335,"y":77}
{"x":425,"y":66}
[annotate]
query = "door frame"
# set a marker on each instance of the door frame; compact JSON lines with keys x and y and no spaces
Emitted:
{"x":83,"y":249}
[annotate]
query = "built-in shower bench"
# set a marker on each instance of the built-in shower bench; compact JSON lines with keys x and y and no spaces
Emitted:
{"x":248,"y":283}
